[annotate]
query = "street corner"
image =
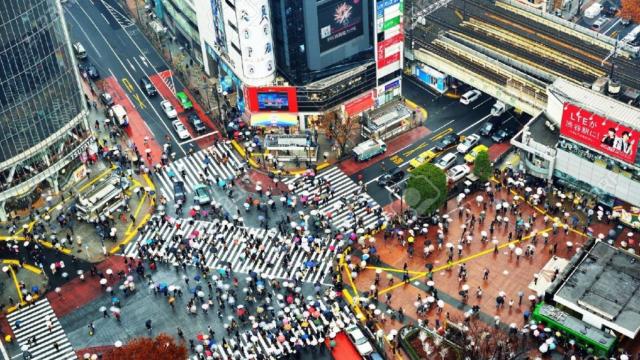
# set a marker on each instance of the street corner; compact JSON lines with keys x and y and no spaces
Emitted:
{"x":23,"y":284}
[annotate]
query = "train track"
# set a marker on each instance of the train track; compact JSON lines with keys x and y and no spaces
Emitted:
{"x":626,"y":69}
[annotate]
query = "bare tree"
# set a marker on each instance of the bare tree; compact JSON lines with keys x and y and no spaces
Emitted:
{"x":342,"y":130}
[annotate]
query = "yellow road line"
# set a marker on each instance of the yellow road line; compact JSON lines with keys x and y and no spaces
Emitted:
{"x":136,"y":212}
{"x":131,"y":235}
{"x":393,"y":269}
{"x":33,"y":269}
{"x":11,"y":262}
{"x":459,"y":261}
{"x":11,"y":238}
{"x":442,"y":134}
{"x":15,"y":282}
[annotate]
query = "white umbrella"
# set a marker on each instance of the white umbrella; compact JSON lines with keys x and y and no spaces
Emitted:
{"x":440,"y":303}
{"x":518,"y":251}
{"x":118,"y":344}
{"x":103,"y":281}
{"x":465,"y":287}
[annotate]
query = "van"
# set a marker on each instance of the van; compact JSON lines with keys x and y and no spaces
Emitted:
{"x":79,"y":51}
{"x":120,"y":115}
{"x":597,"y":25}
{"x":104,"y":198}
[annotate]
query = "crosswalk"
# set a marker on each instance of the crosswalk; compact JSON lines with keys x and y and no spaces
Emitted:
{"x":247,"y":249}
{"x":347,"y":204}
{"x":194,"y":165}
{"x":303,"y":333}
{"x":39,"y":322}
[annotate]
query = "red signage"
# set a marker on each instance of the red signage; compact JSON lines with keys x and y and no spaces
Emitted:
{"x":599,"y":133}
{"x":383,"y":59}
{"x":359,"y":104}
{"x":272,"y":99}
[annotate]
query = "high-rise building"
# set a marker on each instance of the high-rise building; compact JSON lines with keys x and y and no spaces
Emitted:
{"x":43,"y":126}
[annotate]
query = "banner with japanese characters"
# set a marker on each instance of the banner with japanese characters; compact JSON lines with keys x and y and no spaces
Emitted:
{"x":599,"y":133}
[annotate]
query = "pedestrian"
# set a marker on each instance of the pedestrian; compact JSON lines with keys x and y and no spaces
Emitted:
{"x":56,"y":346}
{"x":180,"y":334}
{"x":520,"y":296}
{"x":147,"y":324}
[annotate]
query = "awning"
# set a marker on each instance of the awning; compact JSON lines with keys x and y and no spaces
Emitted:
{"x":274,"y":119}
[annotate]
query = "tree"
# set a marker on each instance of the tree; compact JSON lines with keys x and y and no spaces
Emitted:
{"x":482,"y":166}
{"x":426,"y":189}
{"x":342,"y":130}
{"x":162,"y":347}
{"x":630,"y":9}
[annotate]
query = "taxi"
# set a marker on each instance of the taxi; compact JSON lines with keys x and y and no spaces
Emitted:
{"x":423,"y":158}
{"x":471,"y":156}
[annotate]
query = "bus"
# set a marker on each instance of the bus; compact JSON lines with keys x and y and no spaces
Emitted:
{"x":589,"y":338}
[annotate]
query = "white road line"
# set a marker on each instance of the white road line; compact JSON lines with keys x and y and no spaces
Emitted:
{"x":482,"y":103}
{"x":390,"y":190}
{"x":435,"y":132}
{"x":200,"y":137}
{"x":88,"y":38}
{"x":127,"y":71}
{"x":140,"y":66}
{"x":132,"y":67}
{"x":105,"y":18}
{"x":612,"y":26}
{"x":475,"y":124}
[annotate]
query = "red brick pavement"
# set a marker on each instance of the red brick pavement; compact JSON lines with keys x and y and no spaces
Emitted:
{"x":77,"y":293}
{"x":352,"y":166}
{"x":506,"y":272}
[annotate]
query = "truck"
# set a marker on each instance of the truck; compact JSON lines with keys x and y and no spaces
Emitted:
{"x":593,"y":11}
{"x":499,"y":108}
{"x":368,"y":149}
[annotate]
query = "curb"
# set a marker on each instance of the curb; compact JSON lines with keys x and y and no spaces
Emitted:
{"x":415,"y":106}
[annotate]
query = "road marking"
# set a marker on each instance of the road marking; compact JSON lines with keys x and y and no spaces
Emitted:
{"x":200,"y":137}
{"x":164,"y":124}
{"x":613,"y":26}
{"x":105,"y":18}
{"x":409,"y":152}
{"x":137,"y":97}
{"x":130,"y":65}
{"x":475,"y":124}
{"x":443,"y":126}
{"x":144,"y":60}
{"x":442,"y":134}
{"x":482,"y":103}
{"x":140,"y":66}
{"x":126,"y":83}
{"x":390,"y":190}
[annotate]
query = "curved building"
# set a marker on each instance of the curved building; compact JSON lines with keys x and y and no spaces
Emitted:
{"x":43,"y":127}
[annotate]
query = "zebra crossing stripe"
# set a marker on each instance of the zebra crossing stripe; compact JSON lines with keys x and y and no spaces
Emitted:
{"x":345,"y":192}
{"x":194,"y":166}
{"x":33,"y":323}
{"x":235,"y":243}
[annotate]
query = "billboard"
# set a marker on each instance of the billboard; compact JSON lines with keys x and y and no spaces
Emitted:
{"x":599,"y":133}
{"x":338,"y":22}
{"x":273,"y":101}
{"x":272,"y":98}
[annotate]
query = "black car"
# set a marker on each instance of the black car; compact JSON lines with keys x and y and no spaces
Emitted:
{"x":147,"y":86}
{"x":197,"y":124}
{"x":179,"y":192}
{"x":391,"y":178}
{"x":106,"y":99}
{"x":447,"y":141}
{"x":92,"y":72}
{"x":503,"y":134}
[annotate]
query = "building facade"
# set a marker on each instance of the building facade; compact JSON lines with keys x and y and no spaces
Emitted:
{"x":180,"y":17}
{"x":587,"y":141}
{"x":43,"y":124}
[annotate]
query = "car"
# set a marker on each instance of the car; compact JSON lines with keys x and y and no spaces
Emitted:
{"x":490,"y":127}
{"x":468,"y":142}
{"x":168,"y":109}
{"x":106,"y":99}
{"x":458,"y":172}
{"x":198,"y":125}
{"x":359,"y":340}
{"x":201,"y":194}
{"x":447,"y":141}
{"x":79,"y":51}
{"x":446,"y":161}
{"x":470,"y":96}
{"x":180,"y":129}
{"x":92,"y":72}
{"x":148,"y":87}
{"x":609,"y":10}
{"x":597,"y":25}
{"x":423,"y":158}
{"x":471,"y":156}
{"x":184,"y":100}
{"x":179,"y":192}
{"x":391,"y":178}
{"x":505,"y":133}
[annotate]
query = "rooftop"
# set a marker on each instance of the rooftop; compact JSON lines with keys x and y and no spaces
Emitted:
{"x":596,"y":102}
{"x":542,"y":133}
{"x":605,"y":284}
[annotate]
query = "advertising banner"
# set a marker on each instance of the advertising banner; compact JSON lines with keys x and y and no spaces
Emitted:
{"x":338,"y":22}
{"x":599,"y":133}
{"x":272,"y":98}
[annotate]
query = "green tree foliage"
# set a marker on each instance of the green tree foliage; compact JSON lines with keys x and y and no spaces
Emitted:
{"x":426,"y":189}
{"x":482,"y":166}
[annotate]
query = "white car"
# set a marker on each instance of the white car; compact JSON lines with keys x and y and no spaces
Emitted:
{"x":470,"y":96}
{"x":168,"y":109}
{"x":359,"y":340}
{"x":468,"y":143}
{"x":446,"y":161}
{"x":180,"y":129}
{"x":458,"y":172}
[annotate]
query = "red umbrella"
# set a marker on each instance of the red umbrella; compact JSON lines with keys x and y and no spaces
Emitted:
{"x":192,"y":212}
